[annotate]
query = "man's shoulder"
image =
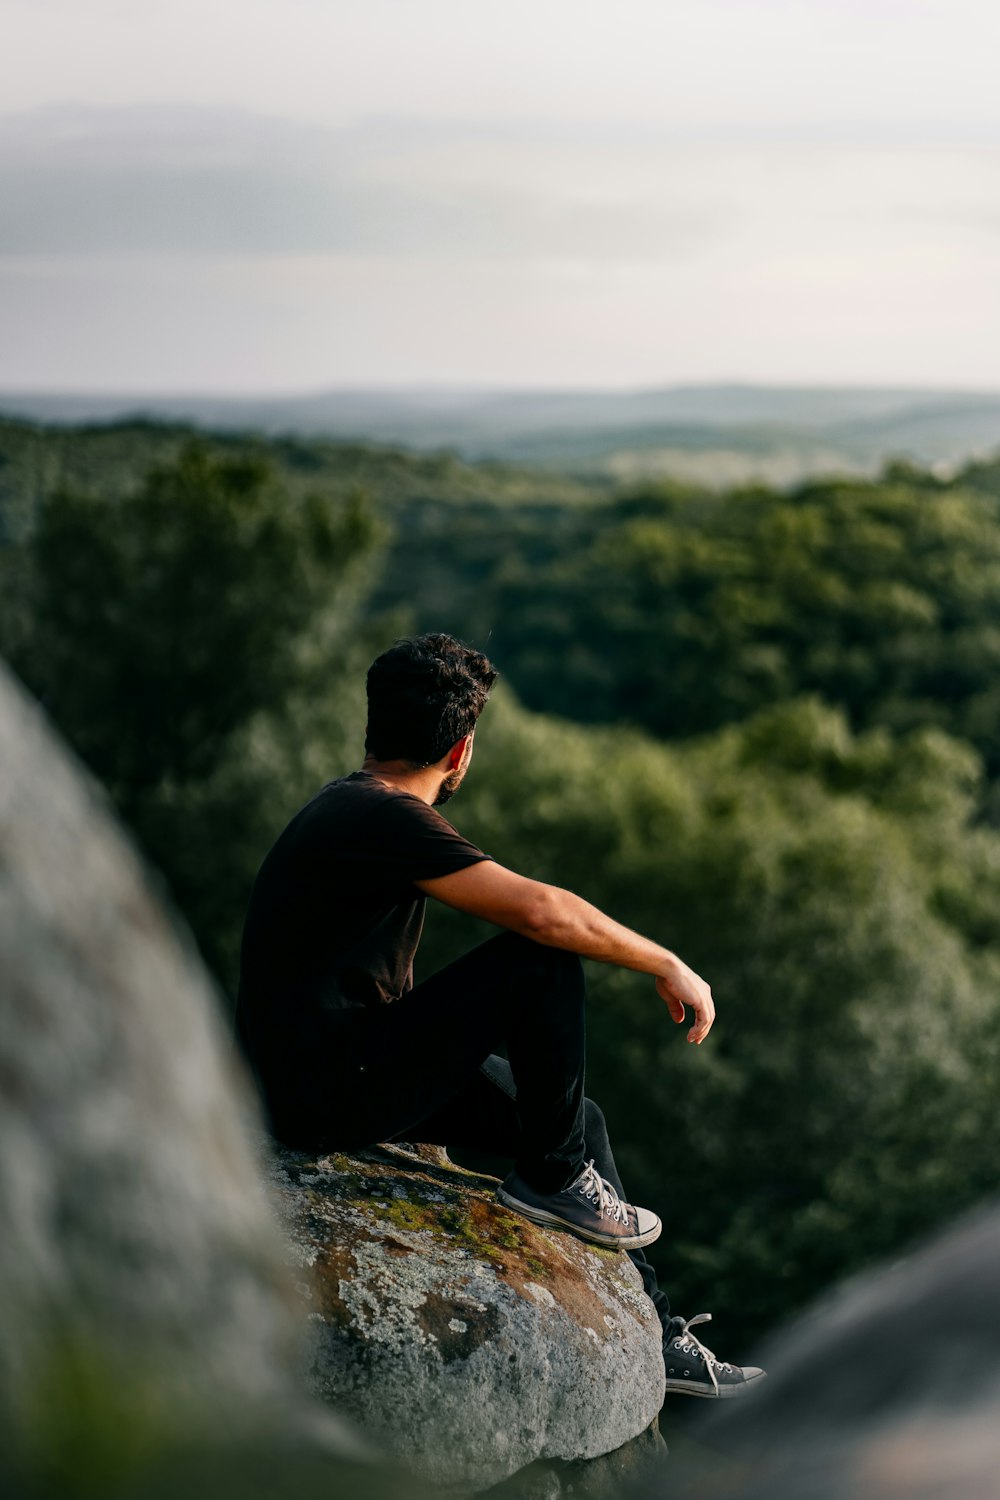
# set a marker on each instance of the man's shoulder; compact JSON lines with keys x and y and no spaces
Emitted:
{"x":361,"y":791}
{"x":363,"y":828}
{"x":385,"y":814}
{"x":361,"y":798}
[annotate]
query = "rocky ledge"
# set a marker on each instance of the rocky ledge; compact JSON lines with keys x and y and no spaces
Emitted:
{"x":459,"y":1335}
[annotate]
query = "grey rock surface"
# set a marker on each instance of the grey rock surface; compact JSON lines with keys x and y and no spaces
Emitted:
{"x":456,"y":1332}
{"x":145,"y":1295}
{"x":890,"y":1388}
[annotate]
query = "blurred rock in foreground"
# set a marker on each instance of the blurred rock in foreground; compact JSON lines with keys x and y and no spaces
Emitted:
{"x":148,"y":1316}
{"x":462,"y":1337}
{"x":890,"y":1390}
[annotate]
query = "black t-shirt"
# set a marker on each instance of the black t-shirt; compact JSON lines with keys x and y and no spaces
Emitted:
{"x":334,"y":918}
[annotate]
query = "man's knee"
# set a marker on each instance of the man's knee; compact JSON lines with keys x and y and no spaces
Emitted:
{"x":539,"y":958}
{"x":568,"y":966}
{"x":557,"y":971}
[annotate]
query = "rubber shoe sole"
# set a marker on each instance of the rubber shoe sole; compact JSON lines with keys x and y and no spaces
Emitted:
{"x":547,"y":1220}
{"x":724,"y":1393}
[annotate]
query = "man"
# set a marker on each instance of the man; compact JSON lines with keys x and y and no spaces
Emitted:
{"x":348,"y":1052}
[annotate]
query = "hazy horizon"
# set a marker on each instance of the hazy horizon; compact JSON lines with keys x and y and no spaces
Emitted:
{"x":470,"y":389}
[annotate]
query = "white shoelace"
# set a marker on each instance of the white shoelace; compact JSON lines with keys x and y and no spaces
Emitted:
{"x":597,"y":1188}
{"x":689,"y":1343}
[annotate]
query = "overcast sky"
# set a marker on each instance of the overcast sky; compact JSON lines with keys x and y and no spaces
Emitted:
{"x":278,"y":195}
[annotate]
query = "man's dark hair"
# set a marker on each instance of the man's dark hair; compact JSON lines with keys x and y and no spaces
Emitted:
{"x":424,"y":694}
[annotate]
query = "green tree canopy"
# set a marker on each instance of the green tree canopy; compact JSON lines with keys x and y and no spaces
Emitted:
{"x":823,"y":665}
{"x":682,"y":611}
{"x":182,"y":637}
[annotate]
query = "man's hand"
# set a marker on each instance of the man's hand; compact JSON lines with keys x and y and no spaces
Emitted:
{"x":681,"y":987}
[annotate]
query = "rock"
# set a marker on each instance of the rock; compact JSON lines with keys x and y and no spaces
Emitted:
{"x":888,"y":1389}
{"x":147,"y":1308}
{"x":457,"y":1333}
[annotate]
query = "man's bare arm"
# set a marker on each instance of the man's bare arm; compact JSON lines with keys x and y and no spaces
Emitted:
{"x":559,"y":919}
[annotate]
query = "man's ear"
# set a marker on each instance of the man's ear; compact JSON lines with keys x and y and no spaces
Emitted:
{"x":457,"y":753}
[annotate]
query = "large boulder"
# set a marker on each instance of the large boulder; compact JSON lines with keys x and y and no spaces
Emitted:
{"x":889,"y":1388}
{"x":457,"y":1333}
{"x":148,"y":1314}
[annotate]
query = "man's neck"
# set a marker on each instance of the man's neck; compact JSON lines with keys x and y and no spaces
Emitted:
{"x":424,"y":783}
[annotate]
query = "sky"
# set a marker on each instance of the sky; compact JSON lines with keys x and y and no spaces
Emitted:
{"x":264,"y":196}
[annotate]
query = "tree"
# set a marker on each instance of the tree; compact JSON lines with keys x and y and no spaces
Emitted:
{"x":172,"y":633}
{"x":683,"y":613}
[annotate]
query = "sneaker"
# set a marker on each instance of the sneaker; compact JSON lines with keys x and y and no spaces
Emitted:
{"x":693,"y":1370}
{"x":589,"y":1208}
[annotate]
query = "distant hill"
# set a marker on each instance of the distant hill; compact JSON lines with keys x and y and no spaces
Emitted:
{"x":114,"y":456}
{"x":716,"y":434}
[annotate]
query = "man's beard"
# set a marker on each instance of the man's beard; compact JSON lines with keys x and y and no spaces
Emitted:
{"x":449,"y":787}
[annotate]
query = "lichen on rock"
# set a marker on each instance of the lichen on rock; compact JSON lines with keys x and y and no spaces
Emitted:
{"x":457,"y":1333}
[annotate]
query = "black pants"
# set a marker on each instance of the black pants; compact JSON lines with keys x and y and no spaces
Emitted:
{"x":425,"y":1069}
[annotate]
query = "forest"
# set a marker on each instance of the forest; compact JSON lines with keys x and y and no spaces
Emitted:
{"x":760,"y":725}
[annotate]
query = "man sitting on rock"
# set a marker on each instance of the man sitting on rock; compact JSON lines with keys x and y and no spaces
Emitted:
{"x":349,"y":1052}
